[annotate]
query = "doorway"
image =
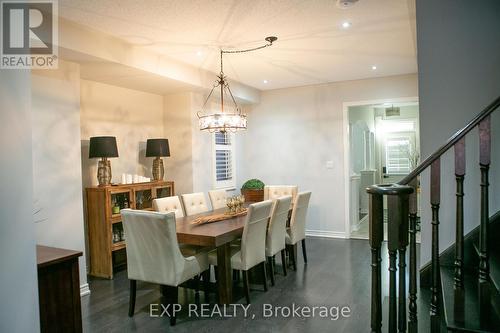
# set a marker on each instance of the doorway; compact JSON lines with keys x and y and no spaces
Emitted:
{"x":383,"y":147}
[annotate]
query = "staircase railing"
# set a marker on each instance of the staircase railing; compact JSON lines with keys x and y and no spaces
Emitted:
{"x":402,"y":229}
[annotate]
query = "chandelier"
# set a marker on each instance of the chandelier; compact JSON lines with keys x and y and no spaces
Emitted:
{"x":233,"y":120}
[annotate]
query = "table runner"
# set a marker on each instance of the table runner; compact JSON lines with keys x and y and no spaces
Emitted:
{"x":218,"y":217}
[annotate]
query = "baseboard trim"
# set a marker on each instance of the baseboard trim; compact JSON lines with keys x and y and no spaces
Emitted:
{"x":84,"y":290}
{"x":325,"y":234}
{"x":356,"y":226}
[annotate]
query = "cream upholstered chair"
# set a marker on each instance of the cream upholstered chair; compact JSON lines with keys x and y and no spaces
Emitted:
{"x":276,"y":231}
{"x":153,"y":254}
{"x":218,"y":198}
{"x":195,"y":203}
{"x":297,"y":230}
{"x":275,"y":191}
{"x":169,"y":204}
{"x":251,"y":252}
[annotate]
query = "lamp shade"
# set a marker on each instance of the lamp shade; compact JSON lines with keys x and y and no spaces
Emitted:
{"x":157,"y":148}
{"x":103,"y":146}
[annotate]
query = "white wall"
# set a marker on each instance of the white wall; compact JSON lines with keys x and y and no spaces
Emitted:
{"x":178,"y":131}
{"x":18,"y":278}
{"x":459,"y":66}
{"x":293,"y":132}
{"x":57,"y":177}
{"x":130,"y":115}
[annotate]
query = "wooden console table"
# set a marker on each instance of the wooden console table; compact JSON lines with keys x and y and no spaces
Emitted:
{"x":59,"y":290}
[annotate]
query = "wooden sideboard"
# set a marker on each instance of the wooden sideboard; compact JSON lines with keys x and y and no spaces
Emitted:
{"x":59,"y":290}
{"x":104,"y":223}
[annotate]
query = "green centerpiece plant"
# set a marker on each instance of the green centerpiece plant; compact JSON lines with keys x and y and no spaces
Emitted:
{"x":253,"y":190}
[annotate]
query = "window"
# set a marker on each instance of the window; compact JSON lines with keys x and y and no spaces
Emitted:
{"x":398,"y":151}
{"x":223,"y":160}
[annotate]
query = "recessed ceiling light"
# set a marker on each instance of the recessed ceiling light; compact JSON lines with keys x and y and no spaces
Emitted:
{"x":374,"y":67}
{"x":265,"y":81}
{"x":346,"y":25}
{"x":199,"y":53}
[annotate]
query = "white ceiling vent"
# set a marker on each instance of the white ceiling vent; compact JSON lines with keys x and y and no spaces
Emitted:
{"x":346,"y":3}
{"x":392,"y":111}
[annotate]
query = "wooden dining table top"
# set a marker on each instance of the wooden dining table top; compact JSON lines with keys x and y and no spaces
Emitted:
{"x":209,"y":234}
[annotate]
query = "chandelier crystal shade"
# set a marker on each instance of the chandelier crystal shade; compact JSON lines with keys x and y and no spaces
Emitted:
{"x":224,"y":121}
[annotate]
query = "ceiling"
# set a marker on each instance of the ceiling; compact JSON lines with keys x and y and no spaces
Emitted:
{"x":312,"y":48}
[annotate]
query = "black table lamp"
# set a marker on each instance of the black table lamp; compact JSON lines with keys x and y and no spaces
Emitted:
{"x":157,"y":148}
{"x":103,"y":147}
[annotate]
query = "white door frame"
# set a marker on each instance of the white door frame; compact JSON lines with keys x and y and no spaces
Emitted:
{"x":345,"y":118}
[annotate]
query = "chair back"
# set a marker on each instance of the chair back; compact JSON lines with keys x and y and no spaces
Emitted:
{"x":298,"y":219}
{"x":253,"y":239}
{"x":218,"y":198}
{"x":195,"y":203}
{"x":153,"y":253}
{"x":276,"y":229}
{"x":169,"y":204}
{"x":276,"y":191}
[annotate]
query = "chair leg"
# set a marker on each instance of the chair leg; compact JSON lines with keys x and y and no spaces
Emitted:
{"x":304,"y":252}
{"x":283,"y":261}
{"x":131,"y":303}
{"x":216,"y":274}
{"x":206,"y":284}
{"x":295,"y":257}
{"x":292,"y":251}
{"x":197,"y":288}
{"x":264,"y":274}
{"x":246,"y":286}
{"x":236,"y":275}
{"x":271,"y":267}
{"x":172,"y":298}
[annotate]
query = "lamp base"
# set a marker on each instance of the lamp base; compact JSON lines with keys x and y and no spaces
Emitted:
{"x":104,"y":172}
{"x":158,"y":170}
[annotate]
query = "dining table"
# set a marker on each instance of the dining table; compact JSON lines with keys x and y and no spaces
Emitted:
{"x":218,"y":235}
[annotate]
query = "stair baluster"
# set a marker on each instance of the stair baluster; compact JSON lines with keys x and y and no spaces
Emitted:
{"x":484,"y":162}
{"x":459,"y":236}
{"x":435,"y":202}
{"x":401,"y":209}
{"x":458,"y":276}
{"x":412,"y":305}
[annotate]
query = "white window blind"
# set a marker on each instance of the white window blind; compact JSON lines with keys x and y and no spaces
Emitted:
{"x":398,"y":152}
{"x":224,"y":160}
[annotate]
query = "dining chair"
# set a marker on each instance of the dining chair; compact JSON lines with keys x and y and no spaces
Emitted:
{"x":169,"y":204}
{"x":251,"y":251}
{"x":195,"y":203}
{"x":297,"y":230}
{"x":153,"y":255}
{"x":275,"y":191}
{"x":276,"y":231}
{"x":218,"y":198}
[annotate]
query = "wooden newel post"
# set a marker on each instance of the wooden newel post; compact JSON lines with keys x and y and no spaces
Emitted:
{"x":376,"y":233}
{"x":398,"y":208}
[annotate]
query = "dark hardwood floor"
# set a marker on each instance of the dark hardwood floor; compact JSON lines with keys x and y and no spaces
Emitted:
{"x":337,"y":274}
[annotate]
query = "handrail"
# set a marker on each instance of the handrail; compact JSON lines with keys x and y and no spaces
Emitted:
{"x":451,"y":142}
